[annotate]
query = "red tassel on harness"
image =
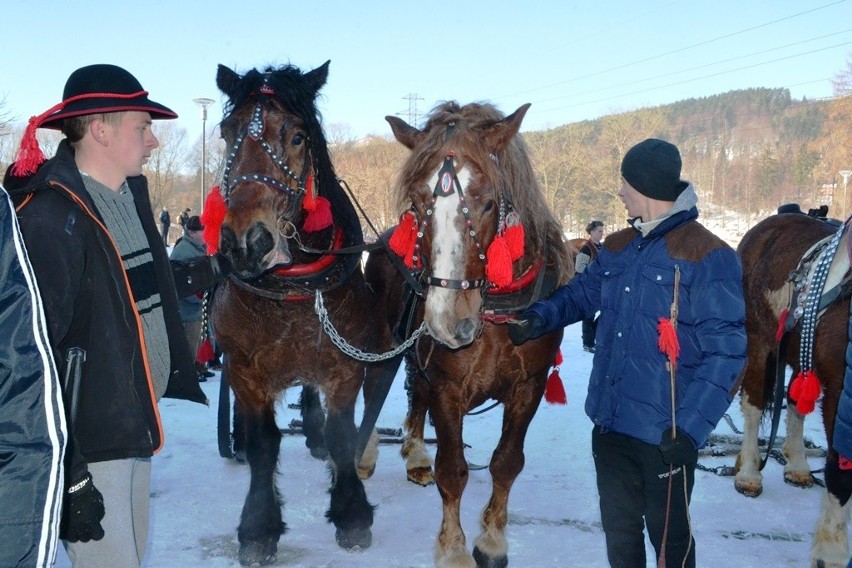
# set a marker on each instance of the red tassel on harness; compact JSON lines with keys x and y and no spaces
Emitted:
{"x":404,"y":237}
{"x":782,"y":325}
{"x":310,"y":201}
{"x":554,"y":391}
{"x":667,"y":342}
{"x":319,"y":217}
{"x":805,"y":390}
{"x":498,"y":263}
{"x":212,"y":217}
{"x":30,"y":156}
{"x":515,"y":240}
{"x":205,"y":352}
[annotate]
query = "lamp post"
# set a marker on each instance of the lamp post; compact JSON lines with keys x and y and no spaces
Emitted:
{"x":845,"y":174}
{"x":203,"y":104}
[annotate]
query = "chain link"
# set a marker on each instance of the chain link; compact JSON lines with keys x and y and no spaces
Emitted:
{"x":354,"y":352}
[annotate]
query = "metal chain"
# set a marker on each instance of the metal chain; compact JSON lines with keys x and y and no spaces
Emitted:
{"x":354,"y":352}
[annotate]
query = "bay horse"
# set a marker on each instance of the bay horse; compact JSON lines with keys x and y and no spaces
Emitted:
{"x":467,"y":184}
{"x":286,"y":228}
{"x":776,"y":272}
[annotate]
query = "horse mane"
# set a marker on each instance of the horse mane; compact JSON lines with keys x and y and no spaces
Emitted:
{"x":292,"y":90}
{"x":512,"y":172}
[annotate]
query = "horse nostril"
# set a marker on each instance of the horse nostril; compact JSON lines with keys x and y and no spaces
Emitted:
{"x":466,"y":328}
{"x":259,"y":242}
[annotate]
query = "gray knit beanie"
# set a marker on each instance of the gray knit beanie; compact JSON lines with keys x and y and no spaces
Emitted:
{"x":652,"y":167}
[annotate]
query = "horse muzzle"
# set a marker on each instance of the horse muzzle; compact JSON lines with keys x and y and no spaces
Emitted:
{"x":254,"y":252}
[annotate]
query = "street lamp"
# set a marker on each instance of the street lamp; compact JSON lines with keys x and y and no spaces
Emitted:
{"x":845,"y":174}
{"x":203,"y":104}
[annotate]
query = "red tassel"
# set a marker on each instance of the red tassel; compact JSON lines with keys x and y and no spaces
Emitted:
{"x":668,"y":343}
{"x":515,"y":240}
{"x":554,"y":391}
{"x":844,"y":463}
{"x":805,"y":390}
{"x":404,"y":237}
{"x":498,"y":263}
{"x":310,"y":201}
{"x":319,"y":217}
{"x":212,"y":217}
{"x":558,"y":360}
{"x":782,"y":324}
{"x":29,"y":156}
{"x":205,"y":352}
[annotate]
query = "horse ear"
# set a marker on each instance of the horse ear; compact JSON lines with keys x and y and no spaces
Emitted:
{"x":497,"y":136}
{"x":316,"y":79}
{"x":408,"y":135}
{"x":226,"y":80}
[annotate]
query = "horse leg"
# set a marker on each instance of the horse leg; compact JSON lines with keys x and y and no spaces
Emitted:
{"x":261,"y":523}
{"x":350,"y":512}
{"x":370,"y":456}
{"x":830,"y":548}
{"x":451,"y":475}
{"x":490,"y":548}
{"x":418,"y":462}
{"x":797,"y":471}
{"x":313,"y":421}
{"x":749,"y":480}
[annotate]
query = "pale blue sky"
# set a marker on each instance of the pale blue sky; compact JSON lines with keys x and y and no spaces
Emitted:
{"x":572,"y":60}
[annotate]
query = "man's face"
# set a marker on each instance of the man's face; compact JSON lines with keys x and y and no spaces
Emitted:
{"x":634,"y":202}
{"x":131,"y":142}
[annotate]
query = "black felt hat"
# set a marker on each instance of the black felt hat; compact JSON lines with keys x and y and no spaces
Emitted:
{"x":194,"y":224}
{"x":92,"y":89}
{"x":652,"y":167}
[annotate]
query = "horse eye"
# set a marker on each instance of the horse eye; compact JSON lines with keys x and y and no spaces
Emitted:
{"x":488,"y":206}
{"x":297,"y":139}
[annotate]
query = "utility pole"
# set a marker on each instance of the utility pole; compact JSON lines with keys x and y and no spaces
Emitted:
{"x":413,"y":115}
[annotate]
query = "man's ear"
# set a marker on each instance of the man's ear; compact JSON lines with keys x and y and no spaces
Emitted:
{"x":97,"y":129}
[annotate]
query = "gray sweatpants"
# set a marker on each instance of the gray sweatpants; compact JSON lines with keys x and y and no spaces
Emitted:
{"x":126,"y":487}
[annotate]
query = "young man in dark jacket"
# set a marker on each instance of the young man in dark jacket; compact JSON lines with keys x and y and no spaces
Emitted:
{"x":652,"y":410}
{"x":110,"y":304}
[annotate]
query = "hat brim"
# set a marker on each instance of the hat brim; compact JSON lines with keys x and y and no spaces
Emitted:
{"x":105,"y":105}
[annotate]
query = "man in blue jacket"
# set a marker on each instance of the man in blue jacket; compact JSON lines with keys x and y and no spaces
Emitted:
{"x":665,"y":274}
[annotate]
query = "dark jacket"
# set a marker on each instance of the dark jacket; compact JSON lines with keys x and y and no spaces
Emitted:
{"x":32,"y":429}
{"x":842,"y":437}
{"x":631,"y":282}
{"x":89,"y":304}
{"x":165,"y":218}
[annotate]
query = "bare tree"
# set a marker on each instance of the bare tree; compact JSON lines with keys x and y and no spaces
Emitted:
{"x":166,"y":163}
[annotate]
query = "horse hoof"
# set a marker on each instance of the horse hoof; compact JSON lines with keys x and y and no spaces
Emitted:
{"x":319,"y":452}
{"x":803,"y":480}
{"x":421,"y":476}
{"x":749,"y":490}
{"x":352,"y":538}
{"x":366,"y":472}
{"x":259,"y":553}
{"x":485,"y":561}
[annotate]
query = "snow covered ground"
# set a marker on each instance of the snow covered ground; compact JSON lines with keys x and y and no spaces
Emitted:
{"x":553,"y":518}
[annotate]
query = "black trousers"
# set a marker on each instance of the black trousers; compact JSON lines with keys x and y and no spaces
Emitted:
{"x":633,"y":485}
{"x":590,"y":327}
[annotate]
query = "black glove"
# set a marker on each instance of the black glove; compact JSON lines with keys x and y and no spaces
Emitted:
{"x":679,"y":450}
{"x":82,"y":512}
{"x":838,"y":481}
{"x":528,"y":326}
{"x":200,"y":273}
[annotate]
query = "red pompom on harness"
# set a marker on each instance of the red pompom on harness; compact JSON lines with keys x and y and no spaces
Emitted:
{"x":554,"y":390}
{"x":212,"y":217}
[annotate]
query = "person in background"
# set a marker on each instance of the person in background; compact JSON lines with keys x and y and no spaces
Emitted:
{"x":102,"y":271}
{"x":585,"y":255}
{"x":189,"y":247}
{"x":32,"y":424}
{"x":165,"y":223}
{"x":838,"y":468}
{"x":182,"y":219}
{"x":668,"y":278}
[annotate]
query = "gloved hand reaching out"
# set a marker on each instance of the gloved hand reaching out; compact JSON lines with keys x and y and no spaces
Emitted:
{"x":527,"y":326}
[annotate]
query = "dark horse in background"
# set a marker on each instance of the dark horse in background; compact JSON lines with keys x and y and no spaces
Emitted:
{"x":469,"y":176}
{"x":770,"y":253}
{"x":286,"y":216}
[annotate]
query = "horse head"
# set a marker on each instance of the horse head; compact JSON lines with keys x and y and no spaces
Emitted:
{"x":277,"y":167}
{"x":459,"y":186}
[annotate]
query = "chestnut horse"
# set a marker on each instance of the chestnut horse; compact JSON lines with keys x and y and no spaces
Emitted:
{"x":467,"y":185}
{"x":292,"y":236}
{"x":770,"y":253}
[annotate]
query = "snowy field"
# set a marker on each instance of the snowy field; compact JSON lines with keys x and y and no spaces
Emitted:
{"x":553,"y":509}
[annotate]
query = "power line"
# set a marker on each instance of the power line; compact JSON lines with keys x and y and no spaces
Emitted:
{"x":413,"y":115}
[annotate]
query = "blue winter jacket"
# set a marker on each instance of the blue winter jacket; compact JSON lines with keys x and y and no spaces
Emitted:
{"x":631,"y":282}
{"x":842,"y":437}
